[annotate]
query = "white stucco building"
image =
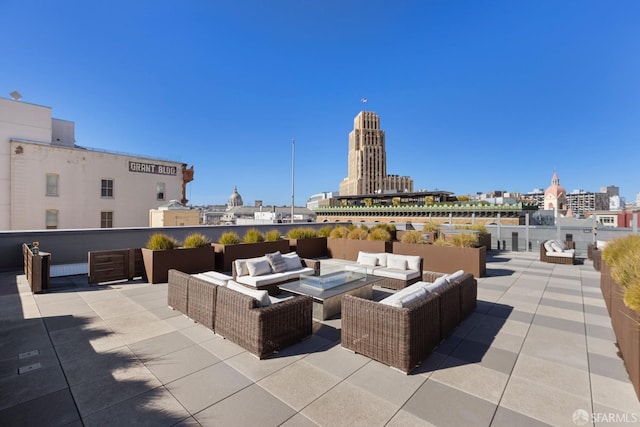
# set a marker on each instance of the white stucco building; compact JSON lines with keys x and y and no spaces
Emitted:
{"x":47,"y":181}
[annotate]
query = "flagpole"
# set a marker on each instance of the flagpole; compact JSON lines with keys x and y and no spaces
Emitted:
{"x":293,"y":157}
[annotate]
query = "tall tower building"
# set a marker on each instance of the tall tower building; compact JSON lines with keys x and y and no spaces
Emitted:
{"x":367,"y":160}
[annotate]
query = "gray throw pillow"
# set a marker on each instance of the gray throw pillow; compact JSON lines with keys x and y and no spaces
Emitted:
{"x":277,"y":263}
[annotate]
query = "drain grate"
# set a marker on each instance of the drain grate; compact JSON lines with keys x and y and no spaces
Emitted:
{"x":28,"y":354}
{"x":29,"y":368}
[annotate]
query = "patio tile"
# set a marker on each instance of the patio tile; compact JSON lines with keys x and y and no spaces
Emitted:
{"x":299,"y":384}
{"x":472,"y":378}
{"x":337,"y":361}
{"x":615,"y":394}
{"x":607,"y":366}
{"x":22,"y":388}
{"x":53,"y":409}
{"x":256,"y":369}
{"x":21,"y":337}
{"x":154,"y":408}
{"x":552,"y":374}
{"x":505,"y":417}
{"x":197,"y":332}
{"x":116,"y":307}
{"x":298,"y":420}
{"x":557,"y":346}
{"x":432,"y":402}
{"x":350,"y":405}
{"x":181,"y":363}
{"x":541,"y":402}
{"x":405,"y":419}
{"x":385,"y":382}
{"x":250,"y":406}
{"x":91,"y":367}
{"x":485,"y":355}
{"x":161,"y":345}
{"x":116,"y":386}
{"x":208,"y":386}
{"x":220,"y":347}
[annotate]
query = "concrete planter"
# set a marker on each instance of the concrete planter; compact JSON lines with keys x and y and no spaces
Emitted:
{"x":188,"y":260}
{"x":626,"y":326}
{"x":226,"y":254}
{"x":446,"y":259}
{"x":312,"y":247}
{"x":348,"y":249}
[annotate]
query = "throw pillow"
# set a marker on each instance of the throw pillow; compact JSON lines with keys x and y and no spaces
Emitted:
{"x":369,"y":260}
{"x":292,"y":260}
{"x":555,"y":246}
{"x":258,"y":267}
{"x":436,"y":286}
{"x":397,"y":263}
{"x":277,"y":263}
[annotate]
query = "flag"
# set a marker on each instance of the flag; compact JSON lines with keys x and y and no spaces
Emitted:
{"x":363,"y":100}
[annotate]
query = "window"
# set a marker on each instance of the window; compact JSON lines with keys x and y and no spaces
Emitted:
{"x":160,"y":191}
{"x":106,"y":219}
{"x":52,"y":184}
{"x":107,"y":188}
{"x":51,"y":220}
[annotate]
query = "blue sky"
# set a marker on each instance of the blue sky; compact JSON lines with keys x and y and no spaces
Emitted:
{"x":474,"y":96}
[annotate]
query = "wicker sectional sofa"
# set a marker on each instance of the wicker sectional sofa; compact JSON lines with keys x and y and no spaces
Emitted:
{"x":402,"y":336}
{"x":239,"y":315}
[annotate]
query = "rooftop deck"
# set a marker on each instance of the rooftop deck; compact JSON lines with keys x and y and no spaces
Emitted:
{"x":539,"y":348}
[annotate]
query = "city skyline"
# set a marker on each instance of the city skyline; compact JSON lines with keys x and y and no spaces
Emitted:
{"x":489,"y":96}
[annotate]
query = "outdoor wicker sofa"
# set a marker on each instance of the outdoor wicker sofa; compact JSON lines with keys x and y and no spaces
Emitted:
{"x":397,"y":271}
{"x":558,"y":252}
{"x":402,"y":337}
{"x":267,"y":279}
{"x":239,"y":317}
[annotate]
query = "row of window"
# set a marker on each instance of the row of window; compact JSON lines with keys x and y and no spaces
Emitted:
{"x":106,"y":187}
{"x":51,"y":219}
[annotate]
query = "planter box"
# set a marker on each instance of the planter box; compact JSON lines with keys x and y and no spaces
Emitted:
{"x":313,"y":247}
{"x":446,"y":259}
{"x":348,"y":249}
{"x":188,"y":260}
{"x":626,"y":326}
{"x":226,"y":254}
{"x":605,"y":285}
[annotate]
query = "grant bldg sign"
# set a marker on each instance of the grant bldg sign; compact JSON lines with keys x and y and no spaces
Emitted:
{"x":152,"y":168}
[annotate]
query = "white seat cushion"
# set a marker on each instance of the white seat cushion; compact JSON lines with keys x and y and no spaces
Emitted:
{"x":393,"y":273}
{"x":214,"y":277}
{"x":261,"y":296}
{"x":561,"y":254}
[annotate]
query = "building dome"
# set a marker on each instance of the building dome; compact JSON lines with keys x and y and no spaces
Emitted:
{"x":235,"y":199}
{"x":555,"y":189}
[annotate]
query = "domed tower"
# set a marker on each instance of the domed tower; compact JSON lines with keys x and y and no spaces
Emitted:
{"x":555,"y":196}
{"x":235,"y":199}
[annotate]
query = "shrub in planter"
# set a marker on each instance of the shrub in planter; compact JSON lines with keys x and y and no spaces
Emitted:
{"x":302,"y":233}
{"x":379,"y":234}
{"x":196,"y":240}
{"x":160,"y":242}
{"x":623,"y":256}
{"x":357,"y":234}
{"x":229,"y":238}
{"x":431,"y":227}
{"x":272,"y":236}
{"x":253,"y":235}
{"x":325,"y":231}
{"x":413,"y":236}
{"x":464,"y":240}
{"x":339,"y":232}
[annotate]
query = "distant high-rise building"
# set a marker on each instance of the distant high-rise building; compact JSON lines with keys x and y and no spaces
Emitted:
{"x":367,"y":161}
{"x":611,"y":190}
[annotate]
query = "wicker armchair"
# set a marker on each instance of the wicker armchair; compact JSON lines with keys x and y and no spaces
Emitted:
{"x":201,"y":304}
{"x":398,"y":337}
{"x":557,"y":259}
{"x":262,"y":330}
